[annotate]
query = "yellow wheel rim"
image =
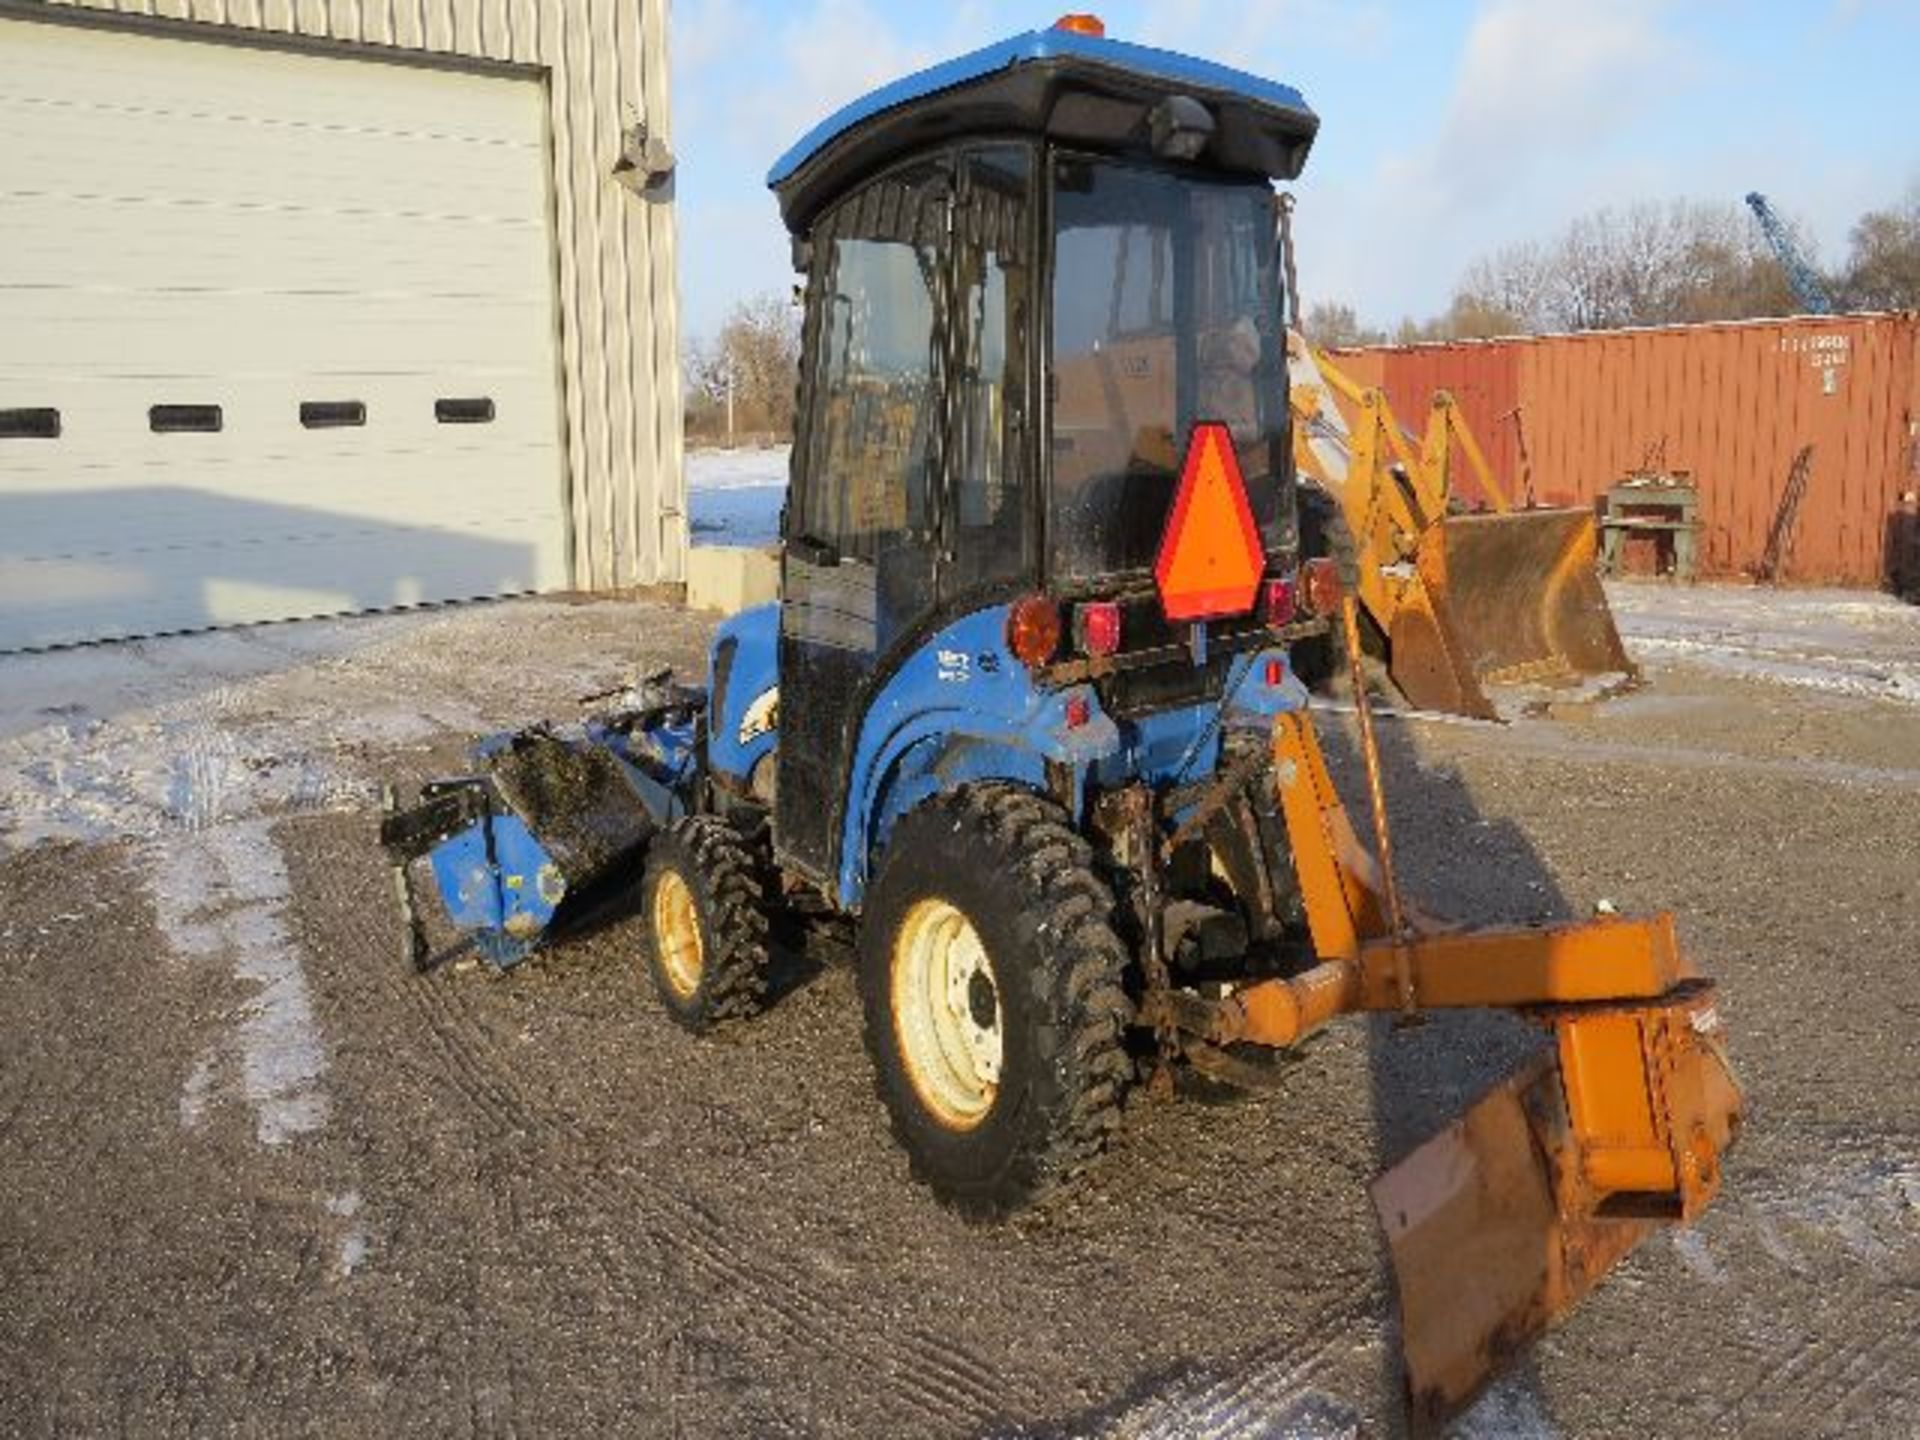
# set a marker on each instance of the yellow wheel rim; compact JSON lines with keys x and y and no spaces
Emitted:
{"x":676,"y":935}
{"x":947,"y":1014}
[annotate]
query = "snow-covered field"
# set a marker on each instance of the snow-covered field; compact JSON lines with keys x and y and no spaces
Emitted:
{"x":734,"y":496}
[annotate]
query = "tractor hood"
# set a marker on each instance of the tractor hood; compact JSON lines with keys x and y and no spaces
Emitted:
{"x":1083,"y":90}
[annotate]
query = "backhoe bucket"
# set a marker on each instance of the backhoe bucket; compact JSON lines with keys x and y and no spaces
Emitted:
{"x":1506,"y":612}
{"x":1502,"y":1222}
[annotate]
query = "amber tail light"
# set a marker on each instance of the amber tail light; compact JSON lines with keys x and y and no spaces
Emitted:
{"x":1033,"y":630}
{"x":1320,"y":586}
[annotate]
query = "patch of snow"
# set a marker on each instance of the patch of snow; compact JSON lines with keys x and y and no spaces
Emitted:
{"x":736,"y":469}
{"x":232,"y":907}
{"x":1866,"y":1204}
{"x":1300,"y":1415}
{"x":747,"y":515}
{"x":734,"y":496}
{"x":1691,"y":1246}
{"x":189,"y":748}
{"x":194,"y":1093}
{"x":1509,"y":1410}
{"x":1273,"y":1395}
{"x":352,"y":1253}
{"x":1842,"y":642}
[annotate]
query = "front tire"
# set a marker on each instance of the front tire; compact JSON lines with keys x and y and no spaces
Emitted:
{"x":990,"y":976}
{"x":705,"y":899}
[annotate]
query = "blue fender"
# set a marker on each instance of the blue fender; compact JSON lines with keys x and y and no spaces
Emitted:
{"x":743,"y":691}
{"x":960,"y":709}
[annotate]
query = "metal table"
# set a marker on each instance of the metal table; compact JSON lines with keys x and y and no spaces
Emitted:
{"x":1665,"y":505}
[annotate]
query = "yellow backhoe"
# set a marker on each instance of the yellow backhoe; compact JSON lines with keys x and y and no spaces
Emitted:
{"x":1485,"y":614}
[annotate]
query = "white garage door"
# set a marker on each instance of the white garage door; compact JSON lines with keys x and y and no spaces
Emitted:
{"x":277,"y":336}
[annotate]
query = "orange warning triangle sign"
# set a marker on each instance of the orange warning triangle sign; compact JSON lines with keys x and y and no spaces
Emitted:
{"x":1210,"y":556}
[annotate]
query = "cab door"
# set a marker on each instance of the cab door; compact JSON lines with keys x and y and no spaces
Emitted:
{"x":990,"y":515}
{"x":862,"y":528}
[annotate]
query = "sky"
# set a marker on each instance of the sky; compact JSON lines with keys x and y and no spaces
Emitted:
{"x":1448,"y":128}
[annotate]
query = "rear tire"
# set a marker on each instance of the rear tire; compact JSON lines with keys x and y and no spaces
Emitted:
{"x":705,"y":900}
{"x":990,"y":976}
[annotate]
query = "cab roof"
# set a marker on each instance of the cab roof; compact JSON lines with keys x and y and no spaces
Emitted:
{"x":1082,"y":89}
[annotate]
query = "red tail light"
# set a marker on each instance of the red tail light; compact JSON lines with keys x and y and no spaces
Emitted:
{"x":1079,"y":711}
{"x":1033,"y":630}
{"x":1096,"y":627}
{"x":1320,"y":586}
{"x":1277,"y":601}
{"x":1276,"y":673}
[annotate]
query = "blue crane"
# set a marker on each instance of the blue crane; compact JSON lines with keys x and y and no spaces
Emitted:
{"x":1808,"y":288}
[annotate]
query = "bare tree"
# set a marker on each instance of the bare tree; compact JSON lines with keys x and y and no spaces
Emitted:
{"x":1508,"y":292}
{"x":741,"y":382}
{"x":1331,"y":325}
{"x":1883,"y":263}
{"x":1649,"y":264}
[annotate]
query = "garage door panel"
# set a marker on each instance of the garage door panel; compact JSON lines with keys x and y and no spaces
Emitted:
{"x":221,"y":332}
{"x":198,"y":224}
{"x":104,"y":419}
{"x":159,"y":517}
{"x":200,"y":587}
{"x":59,"y":238}
{"x":104,"y":422}
{"x":209,"y":163}
{"x":163,"y":506}
{"x":276,"y":88}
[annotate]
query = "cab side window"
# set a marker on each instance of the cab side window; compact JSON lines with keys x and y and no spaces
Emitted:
{"x":989,"y":538}
{"x":872,"y":435}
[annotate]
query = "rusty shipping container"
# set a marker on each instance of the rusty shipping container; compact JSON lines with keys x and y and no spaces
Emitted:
{"x":1730,"y":404}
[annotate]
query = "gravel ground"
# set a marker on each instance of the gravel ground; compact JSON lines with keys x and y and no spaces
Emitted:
{"x":256,"y":1177}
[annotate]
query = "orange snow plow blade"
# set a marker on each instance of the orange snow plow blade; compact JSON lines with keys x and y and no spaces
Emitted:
{"x":1497,"y":1226}
{"x":1501,"y":1223}
{"x":1506,"y":609}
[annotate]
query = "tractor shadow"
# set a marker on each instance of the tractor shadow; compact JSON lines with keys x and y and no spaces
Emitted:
{"x":1456,"y":862}
{"x":1460,"y":864}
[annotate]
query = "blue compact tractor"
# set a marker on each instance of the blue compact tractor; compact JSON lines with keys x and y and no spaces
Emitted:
{"x":1039,"y":585}
{"x":1024,"y":712}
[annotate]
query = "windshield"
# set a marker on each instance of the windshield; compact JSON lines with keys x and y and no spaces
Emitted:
{"x":1166,"y":311}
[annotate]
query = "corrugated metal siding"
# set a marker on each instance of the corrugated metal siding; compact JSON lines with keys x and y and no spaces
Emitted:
{"x":606,"y":70}
{"x":1731,"y":404}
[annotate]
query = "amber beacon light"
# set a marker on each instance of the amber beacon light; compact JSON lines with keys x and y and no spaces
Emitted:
{"x":1081,"y":23}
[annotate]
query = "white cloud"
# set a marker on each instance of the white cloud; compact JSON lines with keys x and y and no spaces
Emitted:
{"x":748,"y":86}
{"x":835,"y":51}
{"x":1539,"y":89}
{"x":1538,"y":82}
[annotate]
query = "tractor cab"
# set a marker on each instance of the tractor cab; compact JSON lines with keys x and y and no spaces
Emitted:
{"x":1044,"y":321}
